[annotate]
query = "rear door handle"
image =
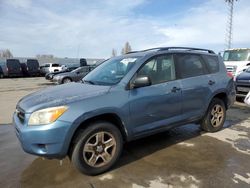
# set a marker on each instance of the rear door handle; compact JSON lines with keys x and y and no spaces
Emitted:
{"x":175,"y":89}
{"x":211,"y":82}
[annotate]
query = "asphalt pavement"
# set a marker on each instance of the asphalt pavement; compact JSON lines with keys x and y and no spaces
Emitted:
{"x":182,"y":157}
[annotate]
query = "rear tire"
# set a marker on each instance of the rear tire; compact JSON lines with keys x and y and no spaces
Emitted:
{"x":214,"y":118}
{"x":96,"y":148}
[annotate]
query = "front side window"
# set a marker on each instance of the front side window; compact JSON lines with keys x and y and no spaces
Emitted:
{"x":159,"y":69}
{"x":111,"y":71}
{"x":190,"y":65}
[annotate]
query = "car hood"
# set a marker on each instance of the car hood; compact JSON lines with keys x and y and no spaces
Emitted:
{"x":243,"y":76}
{"x":59,"y":72}
{"x":65,"y":74}
{"x":60,"y":95}
{"x":236,"y":63}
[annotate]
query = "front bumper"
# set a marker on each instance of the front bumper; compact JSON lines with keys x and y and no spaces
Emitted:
{"x":56,"y":80}
{"x":50,"y":141}
{"x":242,"y":88}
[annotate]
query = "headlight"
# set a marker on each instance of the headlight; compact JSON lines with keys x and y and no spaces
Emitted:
{"x":47,"y":115}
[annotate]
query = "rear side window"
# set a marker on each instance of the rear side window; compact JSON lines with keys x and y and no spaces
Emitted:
{"x":55,"y":65}
{"x":32,"y":63}
{"x":213,"y":64}
{"x":190,"y":65}
{"x":83,"y":69}
{"x":13,"y":63}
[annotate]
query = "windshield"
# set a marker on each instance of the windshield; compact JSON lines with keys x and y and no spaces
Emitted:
{"x":248,"y":70}
{"x":77,"y":70}
{"x":236,"y":55}
{"x":111,"y":71}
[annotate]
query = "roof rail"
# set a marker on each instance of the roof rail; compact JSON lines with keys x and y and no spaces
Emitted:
{"x":187,"y":48}
{"x":172,"y":48}
{"x":150,"y":49}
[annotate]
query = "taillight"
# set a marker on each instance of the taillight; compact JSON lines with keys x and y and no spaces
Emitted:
{"x":230,"y":75}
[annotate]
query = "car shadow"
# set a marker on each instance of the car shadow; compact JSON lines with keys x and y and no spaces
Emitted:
{"x":47,"y":84}
{"x":138,"y":149}
{"x":44,"y":173}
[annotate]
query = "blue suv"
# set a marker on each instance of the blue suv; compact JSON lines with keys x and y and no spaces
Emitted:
{"x":125,"y":98}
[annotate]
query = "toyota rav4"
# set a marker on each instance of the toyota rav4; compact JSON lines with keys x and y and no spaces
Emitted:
{"x":125,"y":98}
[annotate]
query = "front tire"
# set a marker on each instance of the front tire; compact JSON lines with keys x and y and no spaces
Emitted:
{"x":66,"y":80}
{"x":97,"y":148}
{"x":214,"y":118}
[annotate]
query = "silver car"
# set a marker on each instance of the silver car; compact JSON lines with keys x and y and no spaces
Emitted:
{"x":72,"y":76}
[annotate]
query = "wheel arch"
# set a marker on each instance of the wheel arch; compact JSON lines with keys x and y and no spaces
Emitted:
{"x":223,"y":96}
{"x":67,"y":77}
{"x":109,"y":117}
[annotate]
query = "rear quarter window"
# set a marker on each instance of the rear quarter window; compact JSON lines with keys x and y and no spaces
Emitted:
{"x":212,"y":63}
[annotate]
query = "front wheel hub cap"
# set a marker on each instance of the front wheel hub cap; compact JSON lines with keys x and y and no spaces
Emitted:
{"x":99,"y":149}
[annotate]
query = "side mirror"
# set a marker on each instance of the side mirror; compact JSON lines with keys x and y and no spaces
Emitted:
{"x":141,"y":81}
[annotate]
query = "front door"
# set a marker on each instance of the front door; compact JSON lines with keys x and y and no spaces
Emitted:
{"x":159,"y":104}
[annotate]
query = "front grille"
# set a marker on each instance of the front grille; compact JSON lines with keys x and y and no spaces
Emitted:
{"x":17,"y":131}
{"x":20,"y":114}
{"x":243,"y":89}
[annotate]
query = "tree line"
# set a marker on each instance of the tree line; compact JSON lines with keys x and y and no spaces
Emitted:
{"x":5,"y":53}
{"x":126,"y":49}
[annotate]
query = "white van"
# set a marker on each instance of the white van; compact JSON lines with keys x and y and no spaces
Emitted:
{"x":236,"y":60}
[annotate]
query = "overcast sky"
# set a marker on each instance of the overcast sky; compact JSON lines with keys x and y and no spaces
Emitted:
{"x":91,"y":28}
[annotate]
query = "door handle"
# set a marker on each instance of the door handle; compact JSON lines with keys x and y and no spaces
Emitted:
{"x":211,"y":82}
{"x":175,"y":89}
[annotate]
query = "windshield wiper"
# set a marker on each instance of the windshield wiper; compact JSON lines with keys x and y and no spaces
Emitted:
{"x":88,"y":82}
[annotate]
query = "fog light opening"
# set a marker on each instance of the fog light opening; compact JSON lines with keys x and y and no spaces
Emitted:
{"x":42,"y":147}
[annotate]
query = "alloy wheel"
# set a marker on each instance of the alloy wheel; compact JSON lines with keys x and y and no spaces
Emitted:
{"x":99,"y":149}
{"x":217,"y":115}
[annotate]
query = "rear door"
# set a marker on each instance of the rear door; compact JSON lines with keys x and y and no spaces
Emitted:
{"x":158,"y":105}
{"x":33,"y":65}
{"x":14,"y":66}
{"x":195,"y":84}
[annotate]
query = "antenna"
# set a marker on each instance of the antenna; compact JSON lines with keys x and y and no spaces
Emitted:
{"x":229,"y":30}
